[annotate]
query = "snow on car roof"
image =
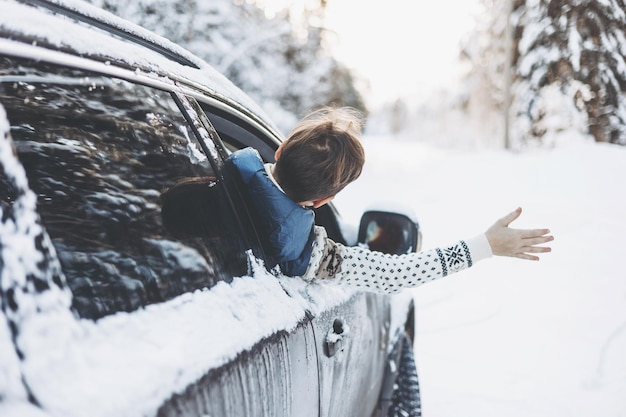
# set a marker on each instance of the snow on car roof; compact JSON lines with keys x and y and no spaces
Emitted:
{"x":113,"y":21}
{"x":37,"y":26}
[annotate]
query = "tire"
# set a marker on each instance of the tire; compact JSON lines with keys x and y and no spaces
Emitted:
{"x":405,"y":400}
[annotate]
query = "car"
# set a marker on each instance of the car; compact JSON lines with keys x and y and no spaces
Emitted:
{"x":107,"y":311}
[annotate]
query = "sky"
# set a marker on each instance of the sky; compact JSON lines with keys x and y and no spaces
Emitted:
{"x":407,"y":49}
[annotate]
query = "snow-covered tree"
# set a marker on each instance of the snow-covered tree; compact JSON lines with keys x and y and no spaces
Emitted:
{"x":483,"y":94}
{"x":279,"y":61}
{"x":485,"y":48}
{"x":576,"y":48}
{"x":313,"y":78}
{"x":568,"y":68}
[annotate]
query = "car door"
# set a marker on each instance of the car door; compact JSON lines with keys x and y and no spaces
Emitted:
{"x":352,"y":348}
{"x":143,"y":320}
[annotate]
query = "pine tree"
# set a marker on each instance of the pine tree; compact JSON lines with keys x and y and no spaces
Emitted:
{"x":571,"y":54}
{"x":314,"y":78}
{"x":569,"y":69}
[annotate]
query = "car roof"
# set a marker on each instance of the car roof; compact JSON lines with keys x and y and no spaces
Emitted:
{"x":82,"y":32}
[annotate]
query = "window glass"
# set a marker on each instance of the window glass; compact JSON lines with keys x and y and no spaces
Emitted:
{"x":100,"y":153}
{"x":237,"y":135}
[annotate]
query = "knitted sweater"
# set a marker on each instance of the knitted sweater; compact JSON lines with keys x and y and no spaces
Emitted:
{"x":379,"y":272}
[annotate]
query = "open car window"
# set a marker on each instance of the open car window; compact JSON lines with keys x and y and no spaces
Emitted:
{"x":100,"y":153}
{"x":236,"y":135}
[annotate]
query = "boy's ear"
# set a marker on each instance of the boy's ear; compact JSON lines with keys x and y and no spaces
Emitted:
{"x":278,"y":151}
{"x":322,"y":201}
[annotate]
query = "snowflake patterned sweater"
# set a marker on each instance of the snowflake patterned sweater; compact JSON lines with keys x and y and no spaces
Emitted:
{"x":380,"y":272}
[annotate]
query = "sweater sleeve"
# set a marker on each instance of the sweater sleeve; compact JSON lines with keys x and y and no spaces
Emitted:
{"x":383,"y":273}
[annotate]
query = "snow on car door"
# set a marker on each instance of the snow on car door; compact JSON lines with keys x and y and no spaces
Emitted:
{"x":20,"y":235}
{"x":351,"y":345}
{"x":276,"y":378}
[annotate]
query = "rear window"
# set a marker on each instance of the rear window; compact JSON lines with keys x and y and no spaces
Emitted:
{"x":100,"y":153}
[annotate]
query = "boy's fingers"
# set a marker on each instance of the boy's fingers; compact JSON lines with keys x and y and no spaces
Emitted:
{"x":531,"y":233}
{"x":509,"y":218}
{"x":528,"y":257}
{"x":537,"y":249}
{"x":518,"y":243}
{"x":538,"y":240}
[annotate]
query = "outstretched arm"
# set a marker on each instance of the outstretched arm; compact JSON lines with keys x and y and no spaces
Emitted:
{"x":379,"y":272}
{"x":517,"y":243}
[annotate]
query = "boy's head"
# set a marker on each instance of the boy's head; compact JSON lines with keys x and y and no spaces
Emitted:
{"x":321,"y":155}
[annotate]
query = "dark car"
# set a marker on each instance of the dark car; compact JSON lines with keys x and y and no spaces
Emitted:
{"x":105,"y":311}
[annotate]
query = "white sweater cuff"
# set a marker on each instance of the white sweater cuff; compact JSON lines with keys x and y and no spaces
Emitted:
{"x":479,"y":247}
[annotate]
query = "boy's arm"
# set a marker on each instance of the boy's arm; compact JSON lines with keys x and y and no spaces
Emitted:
{"x":379,"y":272}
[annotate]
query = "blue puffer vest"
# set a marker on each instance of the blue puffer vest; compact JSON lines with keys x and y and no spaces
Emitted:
{"x":285,"y":228}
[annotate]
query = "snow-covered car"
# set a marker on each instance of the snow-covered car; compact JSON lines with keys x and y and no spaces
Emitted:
{"x":106,"y":312}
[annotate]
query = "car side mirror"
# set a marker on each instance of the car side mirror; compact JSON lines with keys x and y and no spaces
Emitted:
{"x":389,"y":232}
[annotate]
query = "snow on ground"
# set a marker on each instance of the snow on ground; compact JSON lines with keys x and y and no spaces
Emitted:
{"x":511,"y":337}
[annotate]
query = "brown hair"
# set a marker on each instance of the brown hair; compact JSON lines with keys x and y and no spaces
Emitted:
{"x":321,"y":155}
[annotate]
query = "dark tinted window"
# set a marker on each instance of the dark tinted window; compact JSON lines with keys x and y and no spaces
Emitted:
{"x":99,"y":152}
{"x":235,"y":134}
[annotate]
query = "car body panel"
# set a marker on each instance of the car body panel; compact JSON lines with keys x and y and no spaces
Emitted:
{"x":352,"y":351}
{"x":252,"y":386}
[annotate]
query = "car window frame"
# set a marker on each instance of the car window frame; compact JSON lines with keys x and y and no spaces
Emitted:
{"x":240,"y":135}
{"x":215,"y":149}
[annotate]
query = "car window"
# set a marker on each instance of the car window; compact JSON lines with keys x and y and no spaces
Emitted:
{"x":236,"y":134}
{"x":110,"y":162}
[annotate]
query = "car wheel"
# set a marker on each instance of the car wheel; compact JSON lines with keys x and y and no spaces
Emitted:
{"x":405,"y":400}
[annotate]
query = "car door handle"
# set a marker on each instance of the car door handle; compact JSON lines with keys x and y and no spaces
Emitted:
{"x":334,"y":338}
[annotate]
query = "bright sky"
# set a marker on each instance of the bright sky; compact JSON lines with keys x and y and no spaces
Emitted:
{"x":406,"y":48}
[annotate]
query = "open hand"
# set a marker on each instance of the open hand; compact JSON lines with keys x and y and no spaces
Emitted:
{"x":517,"y":243}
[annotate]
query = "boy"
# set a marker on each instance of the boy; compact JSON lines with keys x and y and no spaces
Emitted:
{"x":320,"y":157}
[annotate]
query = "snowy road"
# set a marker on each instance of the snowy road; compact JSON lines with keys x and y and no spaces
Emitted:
{"x":510,"y":337}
